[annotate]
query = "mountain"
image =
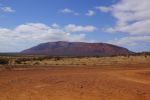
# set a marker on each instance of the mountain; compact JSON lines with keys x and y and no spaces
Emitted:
{"x":62,"y":48}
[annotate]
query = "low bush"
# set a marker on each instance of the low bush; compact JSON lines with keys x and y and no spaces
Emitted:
{"x":21,"y":60}
{"x":58,"y":58}
{"x":4,"y":61}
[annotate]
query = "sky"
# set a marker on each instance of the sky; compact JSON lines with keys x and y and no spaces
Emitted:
{"x":27,"y":23}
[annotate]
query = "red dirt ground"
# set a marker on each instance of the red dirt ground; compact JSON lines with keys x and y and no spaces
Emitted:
{"x":81,"y":83}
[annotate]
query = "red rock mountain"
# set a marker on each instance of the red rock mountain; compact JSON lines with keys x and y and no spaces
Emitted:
{"x":62,"y":48}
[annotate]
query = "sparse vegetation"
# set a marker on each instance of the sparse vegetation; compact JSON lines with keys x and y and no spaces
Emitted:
{"x":86,"y":73}
{"x":45,"y":60}
{"x":4,"y":61}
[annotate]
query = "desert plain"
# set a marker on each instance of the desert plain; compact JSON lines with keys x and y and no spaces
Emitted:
{"x":106,"y":78}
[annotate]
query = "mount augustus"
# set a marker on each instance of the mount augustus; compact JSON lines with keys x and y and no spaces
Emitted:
{"x":62,"y":48}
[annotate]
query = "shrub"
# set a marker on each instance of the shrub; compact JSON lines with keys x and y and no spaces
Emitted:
{"x":58,"y":58}
{"x":21,"y":60}
{"x":4,"y":61}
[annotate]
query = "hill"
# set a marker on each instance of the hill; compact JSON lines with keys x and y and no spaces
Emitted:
{"x":62,"y":48}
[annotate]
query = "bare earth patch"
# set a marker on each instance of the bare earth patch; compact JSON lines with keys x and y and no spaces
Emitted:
{"x":81,"y":83}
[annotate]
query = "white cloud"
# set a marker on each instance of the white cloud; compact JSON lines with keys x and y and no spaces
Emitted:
{"x":69,"y":11}
{"x":103,"y":8}
{"x":133,"y":16}
{"x":90,"y":13}
{"x":27,"y":35}
{"x":66,"y":10}
{"x":55,"y":25}
{"x":131,"y":40}
{"x":137,"y":28}
{"x":75,"y":28}
{"x":7,"y":9}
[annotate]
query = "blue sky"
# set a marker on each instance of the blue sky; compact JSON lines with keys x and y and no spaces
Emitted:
{"x":26,"y":23}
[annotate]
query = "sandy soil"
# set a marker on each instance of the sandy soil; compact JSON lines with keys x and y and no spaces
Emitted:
{"x":81,"y":83}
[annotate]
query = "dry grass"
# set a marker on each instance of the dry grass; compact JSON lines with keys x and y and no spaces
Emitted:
{"x":92,"y":61}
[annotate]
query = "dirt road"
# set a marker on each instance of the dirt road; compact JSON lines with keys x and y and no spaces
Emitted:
{"x":76,"y":84}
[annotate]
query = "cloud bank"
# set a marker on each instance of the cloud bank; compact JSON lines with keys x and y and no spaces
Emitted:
{"x":133,"y":18}
{"x":27,"y":35}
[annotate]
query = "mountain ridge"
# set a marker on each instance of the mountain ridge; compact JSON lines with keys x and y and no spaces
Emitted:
{"x":64,"y":48}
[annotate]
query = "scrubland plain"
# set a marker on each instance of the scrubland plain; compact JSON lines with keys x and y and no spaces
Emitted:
{"x":87,"y":78}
